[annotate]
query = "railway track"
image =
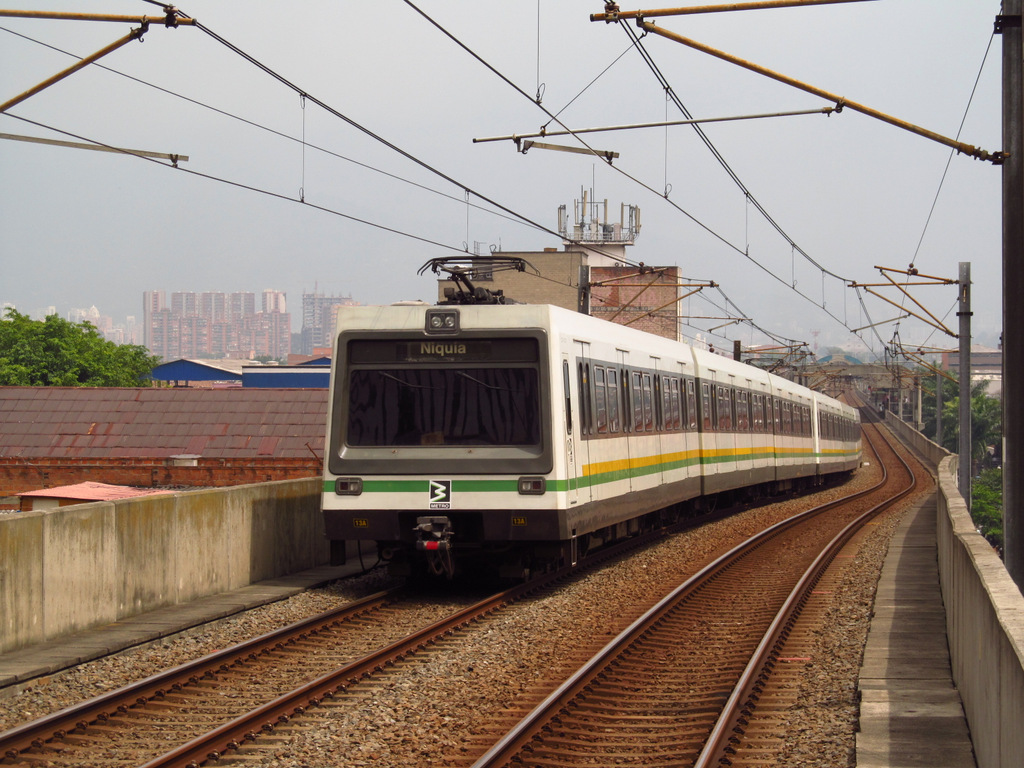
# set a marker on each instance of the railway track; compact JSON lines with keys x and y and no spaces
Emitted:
{"x":249,"y":732}
{"x":129,"y":725}
{"x":700,"y":678}
{"x":221,"y":702}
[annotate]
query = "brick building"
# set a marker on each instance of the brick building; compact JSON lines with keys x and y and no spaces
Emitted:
{"x":157,"y":437}
{"x":591,"y":274}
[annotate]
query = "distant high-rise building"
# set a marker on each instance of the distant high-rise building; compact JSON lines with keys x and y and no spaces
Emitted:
{"x":274,"y":301}
{"x":319,"y":316}
{"x":163,"y":334}
{"x":213,"y":305}
{"x":241,"y":304}
{"x":152,"y":301}
{"x":185,"y":303}
{"x":216,"y":324}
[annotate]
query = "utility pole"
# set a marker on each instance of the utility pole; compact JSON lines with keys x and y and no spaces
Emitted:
{"x":938,"y":407}
{"x":964,"y":313}
{"x":1009,"y":25}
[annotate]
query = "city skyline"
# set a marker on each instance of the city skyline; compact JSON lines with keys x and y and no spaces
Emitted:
{"x":217,"y":307}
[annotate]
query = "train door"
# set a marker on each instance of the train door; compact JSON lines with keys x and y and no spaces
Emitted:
{"x":572,"y":487}
{"x":585,"y":400}
{"x":625,"y":410}
{"x":743,"y":430}
{"x":655,"y":387}
{"x":707,"y":427}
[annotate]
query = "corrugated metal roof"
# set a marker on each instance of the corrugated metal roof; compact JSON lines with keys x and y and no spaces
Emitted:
{"x":80,"y":422}
{"x":186,"y":369}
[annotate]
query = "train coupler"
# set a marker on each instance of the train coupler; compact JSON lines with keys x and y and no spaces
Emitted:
{"x":433,"y":536}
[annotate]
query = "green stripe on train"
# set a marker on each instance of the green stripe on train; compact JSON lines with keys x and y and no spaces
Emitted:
{"x":559,"y":485}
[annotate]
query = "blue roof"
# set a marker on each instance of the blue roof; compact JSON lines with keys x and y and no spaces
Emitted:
{"x":198,"y":370}
{"x":848,"y":359}
{"x":286,"y":376}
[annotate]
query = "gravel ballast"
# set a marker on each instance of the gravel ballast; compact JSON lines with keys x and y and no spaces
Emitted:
{"x":426,"y":713}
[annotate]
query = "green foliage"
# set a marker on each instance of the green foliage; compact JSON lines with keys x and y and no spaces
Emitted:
{"x":55,"y":352}
{"x":986,"y":418}
{"x":987,"y":506}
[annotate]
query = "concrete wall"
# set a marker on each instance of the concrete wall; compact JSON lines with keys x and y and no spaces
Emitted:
{"x":984,"y":619}
{"x":68,"y":569}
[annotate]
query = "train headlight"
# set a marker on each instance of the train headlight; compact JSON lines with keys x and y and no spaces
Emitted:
{"x":442,"y":321}
{"x":532,"y":486}
{"x":348,"y":486}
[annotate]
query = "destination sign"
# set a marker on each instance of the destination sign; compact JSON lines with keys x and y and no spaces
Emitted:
{"x":433,"y":350}
{"x":447,"y":350}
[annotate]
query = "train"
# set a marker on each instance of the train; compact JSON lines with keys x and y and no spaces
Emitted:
{"x":515,"y":438}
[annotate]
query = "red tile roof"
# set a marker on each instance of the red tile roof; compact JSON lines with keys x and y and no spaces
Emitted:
{"x":83,"y":422}
{"x":91,"y":492}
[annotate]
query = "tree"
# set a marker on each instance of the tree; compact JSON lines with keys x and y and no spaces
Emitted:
{"x":986,"y":418}
{"x":56,"y":352}
{"x":987,"y":506}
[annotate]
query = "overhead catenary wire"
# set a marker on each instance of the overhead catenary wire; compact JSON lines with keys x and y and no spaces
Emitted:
{"x":760,"y":208}
{"x":945,"y":171}
{"x":399,"y":150}
{"x":237,"y":184}
{"x":302,"y":140}
{"x":267,"y":129}
{"x":553,"y":118}
{"x":303,"y":95}
{"x":952,"y":152}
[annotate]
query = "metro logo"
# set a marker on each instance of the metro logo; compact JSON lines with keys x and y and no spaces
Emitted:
{"x":440,"y":492}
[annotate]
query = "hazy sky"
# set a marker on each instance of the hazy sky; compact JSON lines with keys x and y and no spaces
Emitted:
{"x":81,"y":228}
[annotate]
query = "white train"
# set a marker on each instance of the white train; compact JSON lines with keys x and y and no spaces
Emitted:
{"x":517,"y":437}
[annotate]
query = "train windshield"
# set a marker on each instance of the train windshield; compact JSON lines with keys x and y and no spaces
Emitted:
{"x":493,"y":406}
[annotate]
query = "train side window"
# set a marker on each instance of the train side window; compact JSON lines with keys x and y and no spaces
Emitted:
{"x":568,"y":401}
{"x":777,"y":419}
{"x":667,"y":409}
{"x":638,"y":402}
{"x":627,"y":421}
{"x":677,"y":404}
{"x":725,"y":422}
{"x":645,"y":383}
{"x":707,"y":410}
{"x":660,"y":409}
{"x":600,"y":400}
{"x":691,"y":405}
{"x":613,"y":400}
{"x":787,"y":418}
{"x":585,"y":412}
{"x":742,"y":412}
{"x":758,"y":410}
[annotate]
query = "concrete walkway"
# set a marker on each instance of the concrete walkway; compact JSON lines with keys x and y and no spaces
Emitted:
{"x":910,"y":713}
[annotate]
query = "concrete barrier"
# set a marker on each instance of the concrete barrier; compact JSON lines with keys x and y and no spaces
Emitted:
{"x":984,"y":618}
{"x":68,"y":569}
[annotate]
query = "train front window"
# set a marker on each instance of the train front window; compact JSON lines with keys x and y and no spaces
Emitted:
{"x":434,"y":406}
